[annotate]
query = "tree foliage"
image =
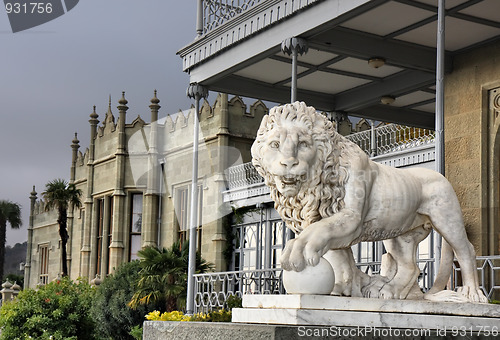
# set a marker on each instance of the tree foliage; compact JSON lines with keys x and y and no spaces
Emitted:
{"x":163,"y":276}
{"x":114,"y":318}
{"x":10,"y":212}
{"x":59,"y":310}
{"x":60,"y":195}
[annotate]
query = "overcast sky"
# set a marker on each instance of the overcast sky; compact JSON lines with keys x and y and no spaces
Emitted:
{"x":53,"y":74}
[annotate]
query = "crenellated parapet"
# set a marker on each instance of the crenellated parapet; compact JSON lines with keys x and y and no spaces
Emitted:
{"x":40,"y":212}
{"x":226,"y":116}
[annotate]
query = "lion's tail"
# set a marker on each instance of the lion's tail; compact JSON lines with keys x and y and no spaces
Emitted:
{"x":436,"y":293}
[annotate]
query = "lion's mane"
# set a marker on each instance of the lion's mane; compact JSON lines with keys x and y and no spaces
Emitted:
{"x":322,"y":193}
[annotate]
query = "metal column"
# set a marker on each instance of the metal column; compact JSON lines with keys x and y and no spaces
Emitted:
{"x":294,"y":47}
{"x":439,"y":112}
{"x":197,"y":92}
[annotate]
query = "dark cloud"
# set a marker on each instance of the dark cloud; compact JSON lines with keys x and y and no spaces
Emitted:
{"x":53,"y":74}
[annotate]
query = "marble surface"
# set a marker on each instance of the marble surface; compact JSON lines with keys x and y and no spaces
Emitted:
{"x":372,"y":319}
{"x":336,"y":303}
{"x":319,"y":279}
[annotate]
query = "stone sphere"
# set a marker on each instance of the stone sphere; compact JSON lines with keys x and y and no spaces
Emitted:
{"x":312,"y":280}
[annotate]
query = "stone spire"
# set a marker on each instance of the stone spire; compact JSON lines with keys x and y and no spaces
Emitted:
{"x":32,"y":203}
{"x":93,"y":133}
{"x":154,"y":108}
{"x":122,"y":109}
{"x":151,"y":199}
{"x":74,"y":146}
{"x":27,"y":267}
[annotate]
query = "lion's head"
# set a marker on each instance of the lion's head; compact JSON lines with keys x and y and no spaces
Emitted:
{"x":297,"y":153}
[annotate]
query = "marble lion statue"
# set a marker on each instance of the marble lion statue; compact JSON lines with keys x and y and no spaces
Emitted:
{"x":328,"y":191}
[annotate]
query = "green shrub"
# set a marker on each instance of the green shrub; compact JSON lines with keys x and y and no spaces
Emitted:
{"x":136,"y":332}
{"x":114,"y":318}
{"x":57,"y":311}
{"x":233,"y":301}
{"x":163,"y":276}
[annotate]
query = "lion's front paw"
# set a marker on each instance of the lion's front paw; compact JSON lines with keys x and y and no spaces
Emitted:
{"x":292,"y":258}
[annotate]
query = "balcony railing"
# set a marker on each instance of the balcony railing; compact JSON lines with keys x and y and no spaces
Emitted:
{"x":391,"y":138}
{"x":242,"y":175}
{"x":217,"y":12}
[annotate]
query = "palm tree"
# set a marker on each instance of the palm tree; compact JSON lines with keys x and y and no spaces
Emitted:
{"x":9,"y":212}
{"x":163,"y":276}
{"x":60,"y":195}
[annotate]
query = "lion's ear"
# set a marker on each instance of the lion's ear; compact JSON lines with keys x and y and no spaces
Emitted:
{"x":264,"y":120}
{"x":263,"y":125}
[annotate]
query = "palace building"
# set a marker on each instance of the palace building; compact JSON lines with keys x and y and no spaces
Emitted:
{"x":135,"y":179}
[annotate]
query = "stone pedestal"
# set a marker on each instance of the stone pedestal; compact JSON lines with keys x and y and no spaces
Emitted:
{"x":363,"y":313}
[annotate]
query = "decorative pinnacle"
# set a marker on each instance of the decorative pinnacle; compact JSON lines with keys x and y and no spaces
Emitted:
{"x":195,"y":89}
{"x":155,"y":99}
{"x":297,"y":44}
{"x":33,"y":193}
{"x":94,"y":115}
{"x":154,"y":103}
{"x":75,"y":140}
{"x":123,"y":103}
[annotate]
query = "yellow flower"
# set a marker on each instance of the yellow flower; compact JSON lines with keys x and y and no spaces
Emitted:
{"x":154,"y":315}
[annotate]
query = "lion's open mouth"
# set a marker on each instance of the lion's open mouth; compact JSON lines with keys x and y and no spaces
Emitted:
{"x":289,"y":179}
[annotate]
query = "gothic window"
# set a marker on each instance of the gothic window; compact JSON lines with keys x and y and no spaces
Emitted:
{"x":259,"y":240}
{"x":100,"y":225}
{"x":135,"y":226}
{"x":44,"y":263}
{"x":109,"y":233}
{"x":182,"y":212}
{"x":104,"y":207}
{"x":182,"y":209}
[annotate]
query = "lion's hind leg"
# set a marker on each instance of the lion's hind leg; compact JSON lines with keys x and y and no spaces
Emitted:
{"x":445,"y":214}
{"x":465,"y":254}
{"x":400,"y":270}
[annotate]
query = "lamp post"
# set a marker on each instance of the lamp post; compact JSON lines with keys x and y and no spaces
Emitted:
{"x":196,"y":92}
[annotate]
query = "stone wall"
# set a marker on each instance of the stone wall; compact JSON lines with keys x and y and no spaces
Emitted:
{"x":471,"y":142}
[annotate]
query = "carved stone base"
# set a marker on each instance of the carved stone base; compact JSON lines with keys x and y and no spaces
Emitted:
{"x":332,"y":311}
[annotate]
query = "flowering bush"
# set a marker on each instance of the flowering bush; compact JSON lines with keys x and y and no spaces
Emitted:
{"x":214,"y":316}
{"x":57,"y":311}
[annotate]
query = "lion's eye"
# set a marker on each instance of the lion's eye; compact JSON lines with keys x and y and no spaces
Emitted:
{"x":274,"y":144}
{"x":303,"y":144}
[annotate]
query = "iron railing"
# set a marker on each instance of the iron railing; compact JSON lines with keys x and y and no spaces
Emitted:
{"x":217,"y":12}
{"x":488,"y":268}
{"x":213,"y":289}
{"x":391,"y":138}
{"x":242,"y":175}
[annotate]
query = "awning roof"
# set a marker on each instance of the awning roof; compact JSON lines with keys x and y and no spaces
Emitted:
{"x":342,"y":36}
